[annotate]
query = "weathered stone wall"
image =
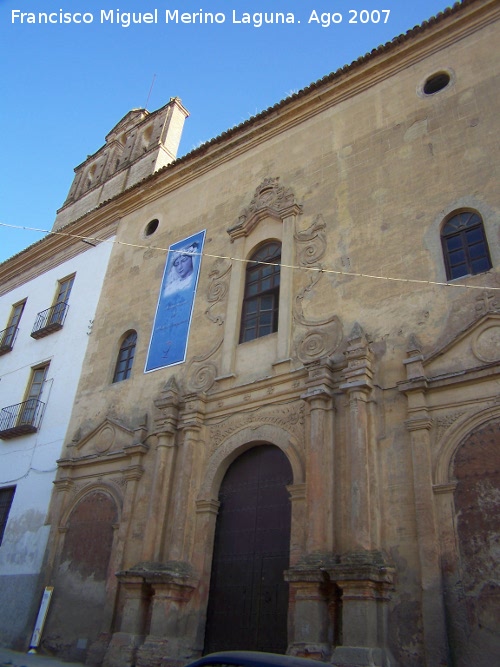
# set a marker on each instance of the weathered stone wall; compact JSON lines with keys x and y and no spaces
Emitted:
{"x":366,"y":385}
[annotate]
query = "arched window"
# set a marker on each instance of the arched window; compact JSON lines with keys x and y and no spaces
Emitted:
{"x":259,"y":315}
{"x":125,"y":358}
{"x":465,"y":248}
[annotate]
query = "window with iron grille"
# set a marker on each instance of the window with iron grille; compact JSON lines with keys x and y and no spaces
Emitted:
{"x":465,"y":248}
{"x":125,"y":357}
{"x":6,"y":498}
{"x":259,"y":315}
{"x":62,"y":297}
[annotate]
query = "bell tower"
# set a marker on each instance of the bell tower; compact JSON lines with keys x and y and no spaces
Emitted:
{"x":140,"y":144}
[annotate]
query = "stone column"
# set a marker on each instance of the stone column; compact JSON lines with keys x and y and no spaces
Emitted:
{"x":286,"y":287}
{"x":180,"y":540}
{"x":419,"y":425}
{"x":310,"y":627}
{"x":309,"y":621}
{"x":167,"y":639}
{"x":359,"y":496}
{"x":319,"y":457}
{"x":165,"y":426}
{"x":365,"y":580}
{"x":455,"y":602}
{"x":362,"y":573}
{"x":298,"y":500}
{"x":124,"y":644}
{"x":231,"y":327}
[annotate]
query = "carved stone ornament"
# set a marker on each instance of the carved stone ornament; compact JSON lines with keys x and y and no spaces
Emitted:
{"x":321,"y":343}
{"x":313,"y":241}
{"x":218,"y":288}
{"x":488,"y":302}
{"x":327,"y":335}
{"x":289,"y":417}
{"x":444,"y":422}
{"x":201,"y":375}
{"x":486,"y":345}
{"x":270,"y":200}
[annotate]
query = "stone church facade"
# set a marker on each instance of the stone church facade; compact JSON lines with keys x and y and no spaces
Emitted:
{"x":319,"y":474}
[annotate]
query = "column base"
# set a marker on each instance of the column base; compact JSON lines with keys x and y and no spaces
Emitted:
{"x":360,"y":656}
{"x":161,"y":652}
{"x":122,"y":650}
{"x":319,"y":651}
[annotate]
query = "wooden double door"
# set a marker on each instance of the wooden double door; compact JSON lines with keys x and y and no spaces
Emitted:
{"x":248,"y":601}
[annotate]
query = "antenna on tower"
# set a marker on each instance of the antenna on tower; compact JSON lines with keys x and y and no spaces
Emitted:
{"x":149,"y":94}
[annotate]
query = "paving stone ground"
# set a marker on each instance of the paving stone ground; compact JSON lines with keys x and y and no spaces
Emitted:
{"x":14,"y":659}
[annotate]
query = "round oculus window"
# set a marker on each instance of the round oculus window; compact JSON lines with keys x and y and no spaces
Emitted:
{"x":436,"y":82}
{"x":151,"y":227}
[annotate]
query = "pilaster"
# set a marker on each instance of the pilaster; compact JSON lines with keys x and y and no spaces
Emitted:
{"x":358,"y":386}
{"x":320,"y":456}
{"x":419,"y":424}
{"x":167,"y":406}
{"x":181,"y":536}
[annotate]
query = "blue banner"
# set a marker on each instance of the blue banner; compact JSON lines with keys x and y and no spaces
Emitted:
{"x":172,"y":322}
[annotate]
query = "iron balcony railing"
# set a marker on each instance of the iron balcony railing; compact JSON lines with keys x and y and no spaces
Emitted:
{"x":50,"y":320}
{"x":7,"y":338}
{"x":21,"y":419}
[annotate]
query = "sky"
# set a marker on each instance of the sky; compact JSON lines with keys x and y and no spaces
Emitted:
{"x":64,"y":86}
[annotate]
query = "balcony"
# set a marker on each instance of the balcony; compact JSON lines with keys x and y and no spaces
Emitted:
{"x":20,"y":419}
{"x":50,"y":320}
{"x":7,"y":338}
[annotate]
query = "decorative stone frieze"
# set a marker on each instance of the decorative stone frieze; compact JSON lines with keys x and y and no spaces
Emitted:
{"x":289,"y":417}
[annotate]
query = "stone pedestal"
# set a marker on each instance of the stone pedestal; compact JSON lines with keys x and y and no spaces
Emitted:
{"x":365,"y":579}
{"x":167,"y":644}
{"x":338,"y":609}
{"x":311,"y":621}
{"x":153,"y":626}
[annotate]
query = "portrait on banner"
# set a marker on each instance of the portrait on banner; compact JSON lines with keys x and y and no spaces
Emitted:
{"x":170,"y":334}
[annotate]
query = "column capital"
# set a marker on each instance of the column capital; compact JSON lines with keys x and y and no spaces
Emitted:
{"x":132,"y":473}
{"x":167,"y":407}
{"x":419,"y":423}
{"x":207,"y":506}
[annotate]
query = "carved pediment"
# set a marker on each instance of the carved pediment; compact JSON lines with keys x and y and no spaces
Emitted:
{"x":475,"y":347}
{"x":271,"y":200}
{"x":110,"y":436}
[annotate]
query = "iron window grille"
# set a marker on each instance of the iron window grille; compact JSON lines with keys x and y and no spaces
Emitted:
{"x":21,"y":419}
{"x":8,"y":336}
{"x":7,"y":339}
{"x":50,"y":320}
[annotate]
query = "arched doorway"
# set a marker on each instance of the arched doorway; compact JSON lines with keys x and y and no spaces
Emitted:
{"x":477,"y":508}
{"x":248,"y":601}
{"x":76,"y":615}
